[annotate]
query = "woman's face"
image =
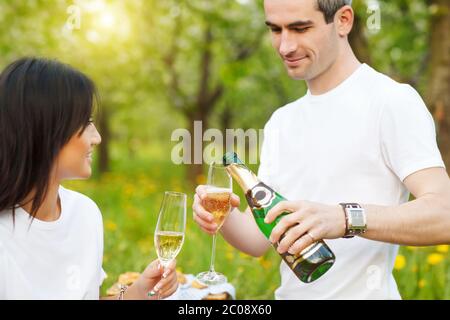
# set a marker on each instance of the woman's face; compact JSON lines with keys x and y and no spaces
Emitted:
{"x":75,"y":158}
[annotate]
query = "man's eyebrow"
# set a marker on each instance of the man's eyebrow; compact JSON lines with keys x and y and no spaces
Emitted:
{"x":299,"y":23}
{"x":270,"y":24}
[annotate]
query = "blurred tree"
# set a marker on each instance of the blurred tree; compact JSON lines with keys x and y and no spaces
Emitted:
{"x":357,"y":37}
{"x":219,"y":39}
{"x":210,"y":61}
{"x":438,"y":88}
{"x":399,"y":47}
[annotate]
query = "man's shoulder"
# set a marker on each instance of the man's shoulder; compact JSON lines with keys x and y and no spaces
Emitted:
{"x":384,"y":86}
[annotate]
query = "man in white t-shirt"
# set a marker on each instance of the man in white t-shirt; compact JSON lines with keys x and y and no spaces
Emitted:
{"x":357,"y":138}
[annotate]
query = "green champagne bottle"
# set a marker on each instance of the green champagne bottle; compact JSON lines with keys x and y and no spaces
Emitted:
{"x":313,"y":261}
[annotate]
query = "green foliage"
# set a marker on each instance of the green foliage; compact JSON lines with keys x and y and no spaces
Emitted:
{"x":125,"y":54}
{"x":400,"y":47}
{"x":123,"y":45}
{"x":423,"y":272}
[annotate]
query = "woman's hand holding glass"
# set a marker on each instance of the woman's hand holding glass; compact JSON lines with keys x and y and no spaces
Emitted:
{"x":162,"y":281}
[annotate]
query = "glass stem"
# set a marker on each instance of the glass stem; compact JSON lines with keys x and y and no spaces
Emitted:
{"x":213,"y":254}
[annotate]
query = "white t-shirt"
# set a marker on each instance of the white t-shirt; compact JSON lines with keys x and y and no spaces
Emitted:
{"x":53,"y":260}
{"x":355,"y":143}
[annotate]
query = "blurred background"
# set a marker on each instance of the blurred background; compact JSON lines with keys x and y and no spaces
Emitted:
{"x":161,"y":65}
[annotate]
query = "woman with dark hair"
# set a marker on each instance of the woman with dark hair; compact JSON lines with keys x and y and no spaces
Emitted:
{"x":51,"y":238}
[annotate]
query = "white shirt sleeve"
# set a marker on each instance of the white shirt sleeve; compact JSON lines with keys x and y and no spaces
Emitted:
{"x":101,"y":272}
{"x":408,"y":134}
{"x":103,"y":276}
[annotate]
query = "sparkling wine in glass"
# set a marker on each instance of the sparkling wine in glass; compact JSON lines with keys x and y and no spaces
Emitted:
{"x":217,"y":202}
{"x":170,"y":228}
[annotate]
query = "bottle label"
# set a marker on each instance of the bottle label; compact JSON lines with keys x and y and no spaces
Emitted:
{"x":261,"y":196}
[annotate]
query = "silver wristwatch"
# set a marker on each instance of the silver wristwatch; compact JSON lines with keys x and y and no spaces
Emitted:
{"x":355,"y":219}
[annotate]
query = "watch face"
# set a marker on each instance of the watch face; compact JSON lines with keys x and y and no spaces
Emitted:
{"x":357,"y":217}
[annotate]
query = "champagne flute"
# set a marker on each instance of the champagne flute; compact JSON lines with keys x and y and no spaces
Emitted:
{"x":217,"y":202}
{"x":170,"y":228}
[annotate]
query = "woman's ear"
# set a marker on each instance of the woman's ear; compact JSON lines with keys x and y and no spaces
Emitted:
{"x":343,"y":20}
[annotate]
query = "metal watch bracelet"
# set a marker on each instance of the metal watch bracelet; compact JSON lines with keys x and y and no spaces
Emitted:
{"x":350,"y":229}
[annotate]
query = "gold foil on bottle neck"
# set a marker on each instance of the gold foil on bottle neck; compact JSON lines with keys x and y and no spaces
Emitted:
{"x":243,"y":176}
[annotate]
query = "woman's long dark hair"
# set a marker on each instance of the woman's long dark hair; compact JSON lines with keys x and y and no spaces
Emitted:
{"x":43,"y":103}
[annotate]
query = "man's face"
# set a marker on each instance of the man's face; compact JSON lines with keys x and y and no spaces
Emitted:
{"x":307,"y":45}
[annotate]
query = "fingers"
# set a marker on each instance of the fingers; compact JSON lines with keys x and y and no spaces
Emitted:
{"x":279,"y":208}
{"x":170,"y":268}
{"x":303,"y":242}
{"x":172,"y":265}
{"x":284,"y":224}
{"x":292,"y":235}
{"x":169,"y":287}
{"x":235,"y":201}
{"x":153,"y":270}
{"x":200,"y":211}
{"x":201,"y":191}
{"x":202,"y":217}
{"x":167,"y":283}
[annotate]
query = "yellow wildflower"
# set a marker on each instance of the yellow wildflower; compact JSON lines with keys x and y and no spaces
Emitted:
{"x":266,"y":264}
{"x":229,"y":255}
{"x":128,"y":189}
{"x":200,"y":179}
{"x":110,"y":225}
{"x":400,"y":262}
{"x":422,"y":283}
{"x":243,"y":255}
{"x":131,"y":212}
{"x":442,"y":248}
{"x":150,"y":187}
{"x":435,"y":258}
{"x":145,"y":245}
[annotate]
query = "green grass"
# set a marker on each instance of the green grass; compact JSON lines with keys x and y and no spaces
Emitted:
{"x":129,"y":198}
{"x":423,"y":272}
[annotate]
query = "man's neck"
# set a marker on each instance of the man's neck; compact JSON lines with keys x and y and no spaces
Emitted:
{"x":342,"y":68}
{"x":50,"y":209}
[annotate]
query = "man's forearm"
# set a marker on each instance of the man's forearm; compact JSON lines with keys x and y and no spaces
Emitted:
{"x":421,"y":222}
{"x":241,"y":231}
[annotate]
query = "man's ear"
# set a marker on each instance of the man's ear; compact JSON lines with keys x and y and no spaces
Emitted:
{"x":343,"y":20}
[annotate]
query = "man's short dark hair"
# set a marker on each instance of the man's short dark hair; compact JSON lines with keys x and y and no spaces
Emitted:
{"x":330,"y":7}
